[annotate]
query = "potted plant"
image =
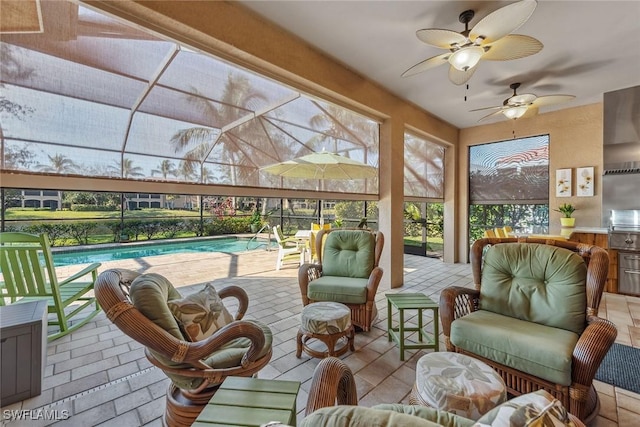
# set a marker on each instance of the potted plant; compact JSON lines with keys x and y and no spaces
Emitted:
{"x":255,"y":222}
{"x":567,"y":210}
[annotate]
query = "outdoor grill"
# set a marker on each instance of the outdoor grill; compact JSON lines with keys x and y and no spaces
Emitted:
{"x":624,"y":236}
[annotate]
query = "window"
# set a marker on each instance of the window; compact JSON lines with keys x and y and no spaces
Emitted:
{"x":509,"y":185}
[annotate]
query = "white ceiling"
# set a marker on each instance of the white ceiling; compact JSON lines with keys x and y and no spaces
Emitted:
{"x":590,"y":47}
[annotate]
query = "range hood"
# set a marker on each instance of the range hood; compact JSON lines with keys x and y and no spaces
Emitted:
{"x":621,"y":152}
{"x":622,"y":131}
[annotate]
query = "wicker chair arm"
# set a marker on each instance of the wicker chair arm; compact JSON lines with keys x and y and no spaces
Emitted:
{"x":307,"y":273}
{"x":238,"y":329}
{"x":239,"y":294}
{"x":592,"y":346}
{"x":455,"y":302}
{"x":332,"y":383}
{"x":374,"y":281}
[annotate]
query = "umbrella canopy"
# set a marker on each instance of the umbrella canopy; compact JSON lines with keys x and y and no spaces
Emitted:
{"x":322,"y":165}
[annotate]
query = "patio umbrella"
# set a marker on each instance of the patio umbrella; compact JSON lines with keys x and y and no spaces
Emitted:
{"x":322,"y":165}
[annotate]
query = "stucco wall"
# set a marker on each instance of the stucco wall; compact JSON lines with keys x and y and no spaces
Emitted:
{"x":575,"y":140}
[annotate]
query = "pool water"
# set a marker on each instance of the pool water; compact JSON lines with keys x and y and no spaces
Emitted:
{"x":227,"y":245}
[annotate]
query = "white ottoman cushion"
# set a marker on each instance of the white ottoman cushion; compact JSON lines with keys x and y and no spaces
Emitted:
{"x":459,"y":384}
{"x":326,"y":318}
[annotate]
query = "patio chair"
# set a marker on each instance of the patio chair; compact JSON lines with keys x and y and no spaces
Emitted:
{"x":347,"y":272}
{"x":288,"y":248}
{"x":145,"y":308}
{"x":533,"y":316}
{"x":28,"y":274}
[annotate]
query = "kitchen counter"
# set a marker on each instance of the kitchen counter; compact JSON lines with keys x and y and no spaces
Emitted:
{"x":595,"y":230}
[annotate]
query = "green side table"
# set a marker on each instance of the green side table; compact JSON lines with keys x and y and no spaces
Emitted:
{"x":250,"y":402}
{"x":418,"y":302}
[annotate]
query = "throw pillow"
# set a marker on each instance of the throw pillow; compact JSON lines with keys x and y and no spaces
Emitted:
{"x":200,"y":314}
{"x":537,"y":409}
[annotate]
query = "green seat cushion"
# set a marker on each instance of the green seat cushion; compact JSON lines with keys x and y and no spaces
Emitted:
{"x":349,"y":253}
{"x":539,"y":350}
{"x":360,"y":416}
{"x":535,"y":282}
{"x":347,"y":290}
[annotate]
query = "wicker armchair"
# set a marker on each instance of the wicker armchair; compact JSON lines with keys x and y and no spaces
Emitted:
{"x":592,"y":341}
{"x":347,"y":272}
{"x":188,"y":360}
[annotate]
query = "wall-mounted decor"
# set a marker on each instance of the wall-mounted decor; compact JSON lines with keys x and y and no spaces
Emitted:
{"x":563,"y":183}
{"x":585,"y":181}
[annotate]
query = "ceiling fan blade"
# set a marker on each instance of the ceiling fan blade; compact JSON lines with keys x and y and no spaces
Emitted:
{"x":531,"y":111}
{"x":460,"y":77}
{"x":485,"y":108}
{"x":503,"y":21}
{"x":427,"y":64}
{"x":440,"y":38}
{"x":512,"y":46}
{"x":495,"y":113}
{"x":543,"y":101}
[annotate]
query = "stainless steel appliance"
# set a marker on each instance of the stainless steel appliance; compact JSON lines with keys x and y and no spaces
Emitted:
{"x":621,"y":151}
{"x":624,"y":236}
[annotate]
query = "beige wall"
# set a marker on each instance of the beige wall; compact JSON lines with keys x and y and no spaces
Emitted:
{"x":575,"y":140}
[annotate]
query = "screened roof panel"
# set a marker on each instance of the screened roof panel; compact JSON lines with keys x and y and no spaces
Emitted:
{"x":423,"y":168}
{"x":181,"y":106}
{"x":215,"y":79}
{"x":61,"y":120}
{"x":151,"y":134}
{"x":51,"y":74}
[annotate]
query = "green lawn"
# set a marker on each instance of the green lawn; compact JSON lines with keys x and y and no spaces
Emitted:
{"x":44,"y":215}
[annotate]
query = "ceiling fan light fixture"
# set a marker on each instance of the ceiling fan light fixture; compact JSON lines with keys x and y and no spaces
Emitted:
{"x":515,"y":112}
{"x":466,"y":57}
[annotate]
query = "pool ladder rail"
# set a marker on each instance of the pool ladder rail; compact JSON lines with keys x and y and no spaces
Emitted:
{"x":255,"y":238}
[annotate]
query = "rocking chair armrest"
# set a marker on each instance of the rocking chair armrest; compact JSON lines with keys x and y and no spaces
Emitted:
{"x":93,"y":268}
{"x":332,"y":383}
{"x":239,"y":329}
{"x":239,"y":294}
{"x":455,"y":302}
{"x":591,"y":348}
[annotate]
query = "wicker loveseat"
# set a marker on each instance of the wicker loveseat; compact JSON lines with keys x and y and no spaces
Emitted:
{"x":347,"y":272}
{"x":533,"y":317}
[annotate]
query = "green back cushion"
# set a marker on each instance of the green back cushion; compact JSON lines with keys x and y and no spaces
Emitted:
{"x":537,"y":283}
{"x":348,"y":253}
{"x":150,"y":293}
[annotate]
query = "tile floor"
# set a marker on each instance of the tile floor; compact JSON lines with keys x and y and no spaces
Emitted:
{"x":100,"y":377}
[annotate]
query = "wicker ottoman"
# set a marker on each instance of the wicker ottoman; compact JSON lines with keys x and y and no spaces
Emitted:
{"x":458,"y":384}
{"x":329,"y":323}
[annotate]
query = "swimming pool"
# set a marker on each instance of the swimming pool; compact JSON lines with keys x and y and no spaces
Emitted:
{"x":227,"y":244}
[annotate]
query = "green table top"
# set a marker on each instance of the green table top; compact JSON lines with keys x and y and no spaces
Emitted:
{"x":411,"y":301}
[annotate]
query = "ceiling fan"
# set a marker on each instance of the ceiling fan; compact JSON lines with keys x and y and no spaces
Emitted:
{"x":525,"y":105}
{"x":489,"y":39}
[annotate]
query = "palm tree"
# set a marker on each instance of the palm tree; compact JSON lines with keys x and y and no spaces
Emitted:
{"x":60,"y":164}
{"x":238,"y":99}
{"x":126,"y":169}
{"x":166,"y":168}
